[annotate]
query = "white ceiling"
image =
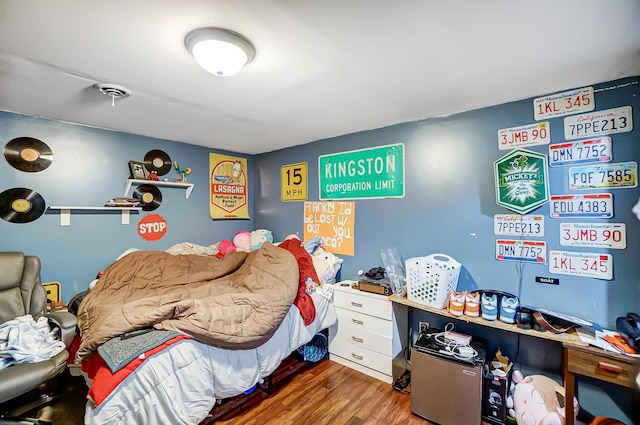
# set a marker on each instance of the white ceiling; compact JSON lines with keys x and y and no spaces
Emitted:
{"x":322,"y":68}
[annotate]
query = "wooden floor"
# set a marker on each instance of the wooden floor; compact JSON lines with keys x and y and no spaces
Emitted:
{"x":328,"y":393}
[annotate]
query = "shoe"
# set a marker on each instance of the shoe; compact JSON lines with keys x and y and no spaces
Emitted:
{"x":489,"y":306}
{"x":472,"y":304}
{"x":456,"y":302}
{"x":508,"y":307}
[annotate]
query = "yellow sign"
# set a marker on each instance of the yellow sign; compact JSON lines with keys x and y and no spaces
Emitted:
{"x":333,"y":222}
{"x":53,"y":292}
{"x":229,"y":187}
{"x":293,"y":178}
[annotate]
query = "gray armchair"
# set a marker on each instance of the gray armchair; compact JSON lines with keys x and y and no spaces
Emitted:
{"x":21,"y":293}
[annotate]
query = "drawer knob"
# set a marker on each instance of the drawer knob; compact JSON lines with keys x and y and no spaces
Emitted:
{"x":357,"y":356}
{"x":609,"y":367}
{"x":357,"y":339}
{"x":355,"y":304}
{"x":357,"y":322}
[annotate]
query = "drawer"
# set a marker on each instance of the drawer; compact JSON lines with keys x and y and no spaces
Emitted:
{"x":372,"y":304}
{"x":366,"y":322}
{"x":362,"y":356}
{"x":361,"y":337}
{"x":602,"y":367}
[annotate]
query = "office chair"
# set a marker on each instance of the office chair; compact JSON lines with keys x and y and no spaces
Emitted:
{"x":21,"y":293}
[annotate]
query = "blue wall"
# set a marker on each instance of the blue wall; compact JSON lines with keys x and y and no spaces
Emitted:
{"x":89,"y":167}
{"x":449,"y":206}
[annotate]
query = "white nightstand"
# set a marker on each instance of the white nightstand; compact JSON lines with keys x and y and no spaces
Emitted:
{"x":371,"y":333}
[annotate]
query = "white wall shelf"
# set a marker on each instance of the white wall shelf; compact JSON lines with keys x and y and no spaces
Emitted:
{"x":131,"y":182}
{"x":65,"y":212}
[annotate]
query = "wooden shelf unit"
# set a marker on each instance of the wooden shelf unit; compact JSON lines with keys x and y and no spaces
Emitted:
{"x":137,"y":182}
{"x":65,"y":212}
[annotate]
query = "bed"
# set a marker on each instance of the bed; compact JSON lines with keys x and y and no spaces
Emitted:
{"x":230,"y":323}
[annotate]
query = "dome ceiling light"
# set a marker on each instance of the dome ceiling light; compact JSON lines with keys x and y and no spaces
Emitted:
{"x":219,"y":51}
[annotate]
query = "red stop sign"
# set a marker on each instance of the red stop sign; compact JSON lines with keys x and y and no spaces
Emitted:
{"x":152,"y":227}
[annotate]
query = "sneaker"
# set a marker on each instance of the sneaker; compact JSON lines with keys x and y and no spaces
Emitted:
{"x":508,"y":307}
{"x":456,"y":302}
{"x":489,"y":306}
{"x":472,"y":304}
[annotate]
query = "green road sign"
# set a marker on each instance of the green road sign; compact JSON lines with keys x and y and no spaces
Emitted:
{"x":521,"y":180}
{"x":363,"y":174}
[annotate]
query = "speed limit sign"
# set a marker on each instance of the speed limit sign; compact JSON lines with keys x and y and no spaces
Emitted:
{"x":294,"y":182}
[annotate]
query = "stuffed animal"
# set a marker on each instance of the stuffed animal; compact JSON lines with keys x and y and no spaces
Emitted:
{"x":225,"y":246}
{"x":535,"y":400}
{"x":260,"y":236}
{"x":326,"y":264}
{"x":242,"y":240}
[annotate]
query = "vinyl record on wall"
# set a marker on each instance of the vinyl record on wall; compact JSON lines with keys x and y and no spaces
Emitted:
{"x":158,"y":161}
{"x":21,"y":205}
{"x":149,"y":196}
{"x":28,"y":154}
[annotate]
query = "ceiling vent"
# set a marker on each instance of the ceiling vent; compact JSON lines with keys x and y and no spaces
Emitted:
{"x":114,"y":91}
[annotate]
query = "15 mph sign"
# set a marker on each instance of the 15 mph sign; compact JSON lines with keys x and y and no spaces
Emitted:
{"x":152,"y":227}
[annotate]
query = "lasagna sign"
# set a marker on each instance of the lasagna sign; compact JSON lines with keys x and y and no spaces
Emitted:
{"x":229,"y":189}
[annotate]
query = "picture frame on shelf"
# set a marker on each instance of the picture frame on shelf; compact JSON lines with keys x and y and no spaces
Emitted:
{"x":138,"y":170}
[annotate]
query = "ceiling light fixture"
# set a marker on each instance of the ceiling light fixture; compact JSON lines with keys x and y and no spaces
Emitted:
{"x":114,"y":91}
{"x":219,"y":51}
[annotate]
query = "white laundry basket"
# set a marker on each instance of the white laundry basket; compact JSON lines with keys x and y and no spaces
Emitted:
{"x":431,"y":279}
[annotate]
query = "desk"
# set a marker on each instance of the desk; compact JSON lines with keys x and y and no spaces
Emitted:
{"x":578,"y":356}
{"x":599,"y":364}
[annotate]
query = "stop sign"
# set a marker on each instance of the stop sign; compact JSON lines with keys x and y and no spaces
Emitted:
{"x":152,"y":227}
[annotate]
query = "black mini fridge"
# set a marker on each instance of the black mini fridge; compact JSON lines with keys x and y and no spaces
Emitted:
{"x":446,"y":383}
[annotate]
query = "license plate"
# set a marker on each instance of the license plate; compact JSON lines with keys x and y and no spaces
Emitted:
{"x":519,"y":250}
{"x":595,"y":205}
{"x":599,"y":123}
{"x":600,"y":235}
{"x":586,"y":264}
{"x":524,"y":135}
{"x":604,"y":176}
{"x":518,"y":225}
{"x":585,"y":151}
{"x":566,"y":103}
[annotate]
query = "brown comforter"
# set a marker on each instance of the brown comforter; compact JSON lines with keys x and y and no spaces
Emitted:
{"x":237,"y":302}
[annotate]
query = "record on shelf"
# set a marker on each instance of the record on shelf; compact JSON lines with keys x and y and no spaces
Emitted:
{"x":158,"y":161}
{"x":28,"y":154}
{"x":21,"y":205}
{"x":149,"y":196}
